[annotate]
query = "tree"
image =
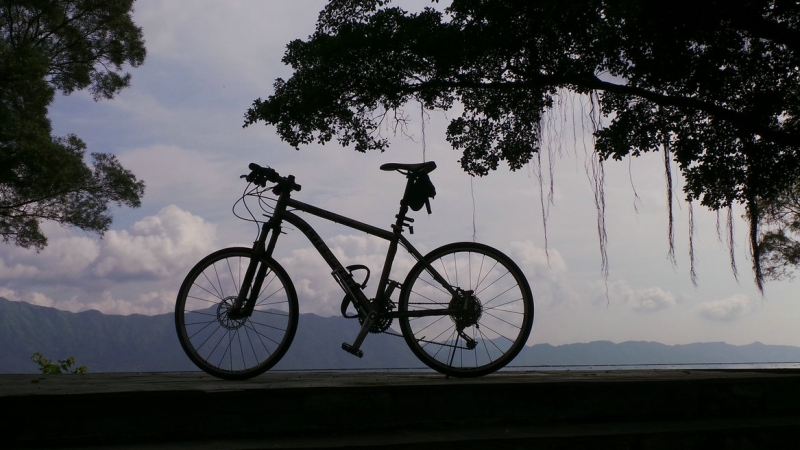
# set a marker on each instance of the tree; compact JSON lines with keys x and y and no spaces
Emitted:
{"x":718,"y":92}
{"x":779,"y":240}
{"x":49,"y":46}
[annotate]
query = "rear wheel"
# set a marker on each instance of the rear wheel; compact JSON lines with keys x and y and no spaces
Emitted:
{"x":231,"y":347}
{"x":491,"y":311}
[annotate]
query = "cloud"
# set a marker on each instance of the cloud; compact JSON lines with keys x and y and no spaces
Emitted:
{"x":317,"y":290}
{"x":536,"y":262}
{"x":147,"y":304}
{"x":34,"y":298}
{"x":17,"y":271}
{"x":644,"y":300}
{"x":725,"y":310}
{"x":651,"y":300}
{"x":137,"y":270}
{"x":157,"y":246}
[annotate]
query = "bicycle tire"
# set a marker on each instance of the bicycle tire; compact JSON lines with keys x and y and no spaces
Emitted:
{"x":227,"y":348}
{"x":499,"y":317}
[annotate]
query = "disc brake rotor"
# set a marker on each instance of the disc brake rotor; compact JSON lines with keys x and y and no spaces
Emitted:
{"x":224,"y":318}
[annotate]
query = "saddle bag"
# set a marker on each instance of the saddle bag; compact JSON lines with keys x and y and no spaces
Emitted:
{"x":419,"y":191}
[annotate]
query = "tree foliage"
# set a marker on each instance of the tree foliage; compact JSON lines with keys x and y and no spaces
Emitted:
{"x":49,"y":46}
{"x":779,"y":247}
{"x":715,"y":84}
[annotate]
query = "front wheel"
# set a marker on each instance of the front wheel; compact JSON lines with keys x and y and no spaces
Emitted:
{"x":491,"y":313}
{"x":235,"y":347}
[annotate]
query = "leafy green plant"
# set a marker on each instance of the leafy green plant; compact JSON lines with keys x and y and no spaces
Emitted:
{"x":64,"y":365}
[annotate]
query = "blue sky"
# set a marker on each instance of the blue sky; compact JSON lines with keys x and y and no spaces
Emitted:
{"x":179,"y":128}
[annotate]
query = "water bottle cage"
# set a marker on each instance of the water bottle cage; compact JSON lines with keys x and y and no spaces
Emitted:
{"x":348,"y":298}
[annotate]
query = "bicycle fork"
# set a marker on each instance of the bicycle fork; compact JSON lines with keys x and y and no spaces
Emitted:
{"x":256,"y":273}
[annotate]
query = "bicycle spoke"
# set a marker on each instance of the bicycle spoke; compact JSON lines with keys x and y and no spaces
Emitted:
{"x":437,"y":286}
{"x":497,"y":307}
{"x":501,"y":335}
{"x":477,"y":271}
{"x":241,"y":349}
{"x":271,"y":312}
{"x":235,"y":347}
{"x":492,"y":283}
{"x":198,"y":331}
{"x":258,"y":335}
{"x":498,"y":318}
{"x":252,"y":347}
{"x":221,"y":291}
{"x":265,"y":325}
{"x":269,"y":297}
{"x":455,"y":268}
{"x":209,"y":292}
{"x":233,"y":278}
{"x":202,"y":313}
{"x":264,"y":287}
{"x":498,"y":295}
{"x":203,"y":300}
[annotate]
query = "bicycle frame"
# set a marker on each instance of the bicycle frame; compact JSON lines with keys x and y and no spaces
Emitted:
{"x":245,"y":303}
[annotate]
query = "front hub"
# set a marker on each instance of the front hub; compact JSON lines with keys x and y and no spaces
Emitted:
{"x":224,"y":316}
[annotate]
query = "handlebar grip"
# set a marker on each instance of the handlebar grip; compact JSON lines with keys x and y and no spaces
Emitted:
{"x":272,"y":176}
{"x":268,"y":172}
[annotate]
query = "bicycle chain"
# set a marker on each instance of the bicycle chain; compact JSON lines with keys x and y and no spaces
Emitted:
{"x":425,"y":340}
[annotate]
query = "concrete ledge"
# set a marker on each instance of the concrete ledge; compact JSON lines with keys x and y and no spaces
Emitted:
{"x":686,"y":407}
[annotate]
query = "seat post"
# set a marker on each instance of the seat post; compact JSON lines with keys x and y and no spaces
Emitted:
{"x":402,"y":219}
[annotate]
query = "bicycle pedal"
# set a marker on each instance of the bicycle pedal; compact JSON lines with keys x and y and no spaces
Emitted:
{"x":352,"y":350}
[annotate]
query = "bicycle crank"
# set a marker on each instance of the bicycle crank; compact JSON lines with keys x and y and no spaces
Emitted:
{"x":381,"y":323}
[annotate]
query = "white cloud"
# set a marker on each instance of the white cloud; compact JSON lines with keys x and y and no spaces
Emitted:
{"x":17,"y":271}
{"x":34,"y":298}
{"x":536,"y":262}
{"x":643,"y":300}
{"x":725,"y":310}
{"x":316,"y":288}
{"x":157,"y":246}
{"x":222,"y":35}
{"x":148,"y":304}
{"x":77,"y":273}
{"x":651,"y":300}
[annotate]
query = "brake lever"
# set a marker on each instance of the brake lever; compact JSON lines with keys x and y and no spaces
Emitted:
{"x":258,"y":180}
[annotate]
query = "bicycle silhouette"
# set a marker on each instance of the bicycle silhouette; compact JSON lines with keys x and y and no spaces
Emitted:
{"x":464,"y":309}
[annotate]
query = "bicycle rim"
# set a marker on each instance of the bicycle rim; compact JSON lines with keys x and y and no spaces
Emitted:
{"x":235,"y":348}
{"x":497,"y":310}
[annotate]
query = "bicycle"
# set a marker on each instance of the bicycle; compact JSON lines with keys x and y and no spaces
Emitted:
{"x":464,"y":309}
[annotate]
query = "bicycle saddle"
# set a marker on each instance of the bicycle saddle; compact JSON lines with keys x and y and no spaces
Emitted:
{"x":418,"y":168}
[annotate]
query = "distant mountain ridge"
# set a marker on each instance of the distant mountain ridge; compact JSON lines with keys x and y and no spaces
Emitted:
{"x":137,"y":343}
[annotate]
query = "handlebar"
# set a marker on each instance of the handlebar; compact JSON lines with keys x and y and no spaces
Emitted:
{"x":261,"y":175}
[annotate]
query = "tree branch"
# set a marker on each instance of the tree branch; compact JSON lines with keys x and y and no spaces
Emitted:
{"x":741,"y":120}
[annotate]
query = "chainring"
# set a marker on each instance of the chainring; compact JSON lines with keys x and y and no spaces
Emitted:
{"x":380,"y":324}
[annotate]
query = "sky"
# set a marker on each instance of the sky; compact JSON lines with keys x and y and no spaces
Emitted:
{"x":179,"y":128}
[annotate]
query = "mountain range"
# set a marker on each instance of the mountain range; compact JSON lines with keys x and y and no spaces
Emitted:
{"x":137,"y":343}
